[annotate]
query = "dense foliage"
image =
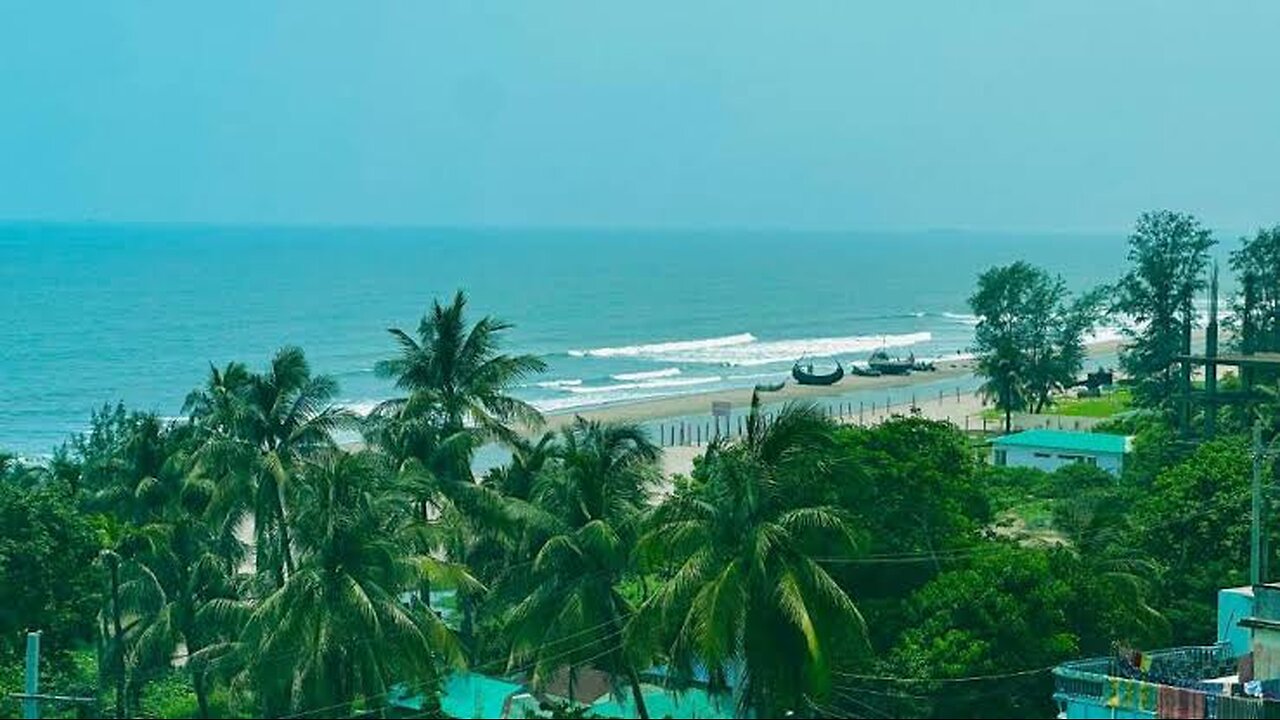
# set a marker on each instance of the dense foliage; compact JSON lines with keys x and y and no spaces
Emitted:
{"x":244,"y":561}
{"x":1168,"y":253}
{"x":1030,"y":336}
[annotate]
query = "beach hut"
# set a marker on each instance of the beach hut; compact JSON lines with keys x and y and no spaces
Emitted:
{"x":1049,"y":450}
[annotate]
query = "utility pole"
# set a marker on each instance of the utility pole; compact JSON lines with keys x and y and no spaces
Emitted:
{"x":31,"y":695}
{"x":1255,"y":543}
{"x":31,"y":705}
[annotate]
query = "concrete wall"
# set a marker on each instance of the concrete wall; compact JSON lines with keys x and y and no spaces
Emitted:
{"x":1234,"y":605}
{"x":1089,"y":709}
{"x":1049,"y":460}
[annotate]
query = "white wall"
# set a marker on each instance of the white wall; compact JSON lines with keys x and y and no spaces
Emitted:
{"x":1032,"y":457}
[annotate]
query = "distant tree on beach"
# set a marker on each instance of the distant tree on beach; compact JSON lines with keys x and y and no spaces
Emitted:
{"x":1030,"y":336}
{"x":1256,"y":308}
{"x":1168,"y":253}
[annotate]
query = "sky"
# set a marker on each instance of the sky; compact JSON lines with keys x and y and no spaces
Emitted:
{"x":806,"y":115}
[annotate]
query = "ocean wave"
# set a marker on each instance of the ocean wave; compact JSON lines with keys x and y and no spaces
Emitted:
{"x":579,"y":402}
{"x":650,"y":385}
{"x":746,"y":350}
{"x":556,"y":384}
{"x":962,"y":318}
{"x":647,"y":375}
{"x":360,"y":407}
{"x":656,"y":349}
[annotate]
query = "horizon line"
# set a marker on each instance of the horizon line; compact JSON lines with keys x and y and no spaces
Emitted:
{"x":567,"y":227}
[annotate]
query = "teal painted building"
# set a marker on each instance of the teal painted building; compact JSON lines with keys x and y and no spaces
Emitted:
{"x":1236,"y":677}
{"x":1049,"y":450}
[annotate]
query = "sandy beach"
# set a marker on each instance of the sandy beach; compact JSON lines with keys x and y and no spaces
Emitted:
{"x":960,"y":406}
{"x":699,"y":404}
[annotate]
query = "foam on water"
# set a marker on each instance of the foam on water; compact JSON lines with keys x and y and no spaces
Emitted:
{"x":361,"y":407}
{"x":746,"y":350}
{"x":552,"y":384}
{"x":650,"y":385}
{"x":647,"y":375}
{"x":962,"y":318}
{"x":664,"y":348}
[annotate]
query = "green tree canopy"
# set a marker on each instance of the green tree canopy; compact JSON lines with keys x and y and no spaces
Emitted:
{"x":748,"y":596}
{"x":1168,"y":255}
{"x":47,"y":552}
{"x":1030,"y":336}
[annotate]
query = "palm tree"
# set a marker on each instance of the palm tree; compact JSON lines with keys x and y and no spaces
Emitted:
{"x":339,"y":617}
{"x":126,"y":549}
{"x":516,"y":479}
{"x":255,"y":429}
{"x":748,"y":598}
{"x":455,"y":376}
{"x":192,"y":591}
{"x":591,"y":499}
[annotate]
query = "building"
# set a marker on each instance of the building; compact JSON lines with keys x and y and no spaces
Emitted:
{"x":1051,"y":449}
{"x":1236,"y":677}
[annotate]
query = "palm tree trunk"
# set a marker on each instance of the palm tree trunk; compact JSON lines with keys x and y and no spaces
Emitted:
{"x":636,"y":694}
{"x":198,"y":684}
{"x":1008,"y":420}
{"x":118,"y":630}
{"x":286,"y":555}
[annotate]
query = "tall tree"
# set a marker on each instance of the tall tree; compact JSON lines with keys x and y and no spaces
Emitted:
{"x":592,"y":499}
{"x":47,"y":549}
{"x":457,"y":384}
{"x":1030,"y":336}
{"x":456,"y":377}
{"x":254,"y":430}
{"x":1168,"y":254}
{"x":748,"y":597}
{"x":337,"y":630}
{"x":1256,"y":308}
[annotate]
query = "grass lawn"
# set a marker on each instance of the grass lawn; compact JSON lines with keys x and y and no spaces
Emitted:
{"x":1116,"y":401}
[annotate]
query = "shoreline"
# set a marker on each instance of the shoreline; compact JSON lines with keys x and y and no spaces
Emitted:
{"x":698,"y":404}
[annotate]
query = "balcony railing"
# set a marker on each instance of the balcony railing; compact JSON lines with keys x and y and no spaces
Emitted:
{"x":1134,"y":683}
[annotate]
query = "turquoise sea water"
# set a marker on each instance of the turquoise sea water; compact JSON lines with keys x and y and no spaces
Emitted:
{"x":100,"y":313}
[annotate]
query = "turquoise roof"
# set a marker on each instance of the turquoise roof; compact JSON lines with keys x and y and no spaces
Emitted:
{"x":471,"y":695}
{"x":1066,"y":440}
{"x":691,"y":703}
{"x":464,"y":695}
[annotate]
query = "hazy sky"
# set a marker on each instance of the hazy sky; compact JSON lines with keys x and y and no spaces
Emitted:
{"x":1047,"y":115}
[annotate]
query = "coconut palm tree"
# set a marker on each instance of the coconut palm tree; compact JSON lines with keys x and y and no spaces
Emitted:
{"x":592,"y":498}
{"x":339,"y":620}
{"x":748,"y":598}
{"x":455,"y":376}
{"x":516,"y":479}
{"x":254,"y":430}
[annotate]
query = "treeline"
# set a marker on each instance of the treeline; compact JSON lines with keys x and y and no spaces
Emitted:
{"x":244,"y":563}
{"x":1031,"y":331}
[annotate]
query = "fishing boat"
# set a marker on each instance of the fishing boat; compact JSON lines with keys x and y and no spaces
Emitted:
{"x":863,"y":370}
{"x":805,"y":375}
{"x":885,"y":365}
{"x":771,"y":387}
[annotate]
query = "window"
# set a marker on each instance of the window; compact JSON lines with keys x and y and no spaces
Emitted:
{"x":1002,"y":458}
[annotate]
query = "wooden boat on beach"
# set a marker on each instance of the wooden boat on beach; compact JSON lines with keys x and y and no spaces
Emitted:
{"x":885,"y":365}
{"x":806,"y":376}
{"x":863,"y":371}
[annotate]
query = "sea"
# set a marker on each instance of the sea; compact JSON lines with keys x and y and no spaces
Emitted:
{"x":99,"y":313}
